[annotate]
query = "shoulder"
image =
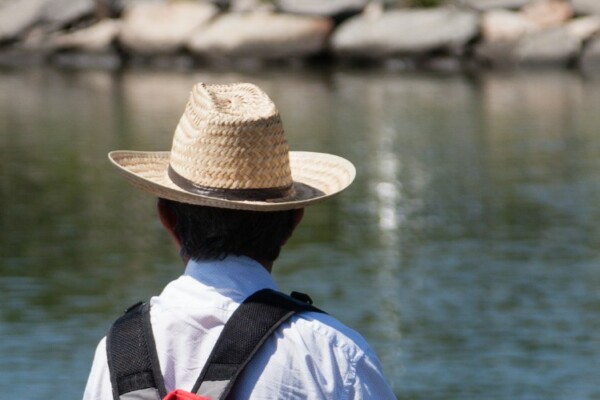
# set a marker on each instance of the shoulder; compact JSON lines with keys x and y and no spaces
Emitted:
{"x":313,"y":355}
{"x":356,"y":365}
{"x":324,"y":330}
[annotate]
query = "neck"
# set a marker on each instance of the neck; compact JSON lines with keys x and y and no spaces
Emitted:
{"x":268,"y":265}
{"x":184,"y":257}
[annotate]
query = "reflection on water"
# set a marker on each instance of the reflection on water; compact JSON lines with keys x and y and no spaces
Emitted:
{"x":466,"y":251}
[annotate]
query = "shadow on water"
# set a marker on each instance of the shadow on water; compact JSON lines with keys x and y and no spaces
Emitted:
{"x":466,"y":251}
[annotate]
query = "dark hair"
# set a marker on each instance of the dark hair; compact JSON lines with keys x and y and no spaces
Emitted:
{"x":208,"y":233}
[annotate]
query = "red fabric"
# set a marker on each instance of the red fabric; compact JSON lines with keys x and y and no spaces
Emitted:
{"x":183,"y":395}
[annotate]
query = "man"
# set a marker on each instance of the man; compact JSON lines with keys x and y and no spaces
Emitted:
{"x":230,"y":195}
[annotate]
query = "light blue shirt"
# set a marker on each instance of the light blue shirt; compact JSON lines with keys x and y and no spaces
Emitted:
{"x":311,"y":356}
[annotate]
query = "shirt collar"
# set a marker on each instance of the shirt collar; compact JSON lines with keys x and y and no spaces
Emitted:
{"x":233,"y":276}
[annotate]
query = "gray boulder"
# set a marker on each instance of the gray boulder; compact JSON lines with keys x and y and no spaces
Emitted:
{"x":584,"y":28}
{"x":250,"y":5}
{"x":548,"y":14}
{"x":504,"y":25}
{"x":327,"y":8}
{"x":97,"y":38}
{"x":551,"y":47}
{"x":498,"y":53}
{"x":590,"y":59}
{"x":511,"y":38}
{"x":17,"y":17}
{"x":59,"y":13}
{"x":586,"y":7}
{"x":151,"y":29}
{"x":261,"y":35}
{"x":405,"y":32}
{"x":33,"y":48}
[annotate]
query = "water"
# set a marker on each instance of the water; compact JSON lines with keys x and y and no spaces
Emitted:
{"x":467,"y":251}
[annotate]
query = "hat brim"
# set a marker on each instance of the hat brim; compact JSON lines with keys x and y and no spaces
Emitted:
{"x":316,"y":176}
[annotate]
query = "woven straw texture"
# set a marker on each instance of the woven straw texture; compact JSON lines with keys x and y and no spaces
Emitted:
{"x":230,"y":137}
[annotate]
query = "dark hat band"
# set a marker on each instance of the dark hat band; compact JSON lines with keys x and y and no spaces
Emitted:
{"x":266,"y":194}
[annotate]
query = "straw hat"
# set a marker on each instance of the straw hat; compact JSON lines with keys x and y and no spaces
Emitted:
{"x":229,"y":151}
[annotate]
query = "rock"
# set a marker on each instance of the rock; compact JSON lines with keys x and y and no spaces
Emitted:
{"x":485,"y":5}
{"x":94,"y":39}
{"x":590,"y":58}
{"x":536,"y":36}
{"x":150,"y":29}
{"x":262,"y":36}
{"x":550,"y":47}
{"x":498,"y":53}
{"x":328,"y":8}
{"x":250,"y":5}
{"x":586,"y":7}
{"x":60,"y":13}
{"x":548,"y":13}
{"x":504,"y":25}
{"x":18,"y":16}
{"x":33,"y":49}
{"x":37,"y":39}
{"x":405,"y":32}
{"x":119,"y":6}
{"x":585,"y":27}
{"x":541,"y":34}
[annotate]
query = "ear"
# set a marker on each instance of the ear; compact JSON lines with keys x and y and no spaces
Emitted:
{"x":168,"y":219}
{"x":298,"y":215}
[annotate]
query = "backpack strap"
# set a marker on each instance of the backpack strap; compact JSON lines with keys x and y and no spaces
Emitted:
{"x":244,"y":333}
{"x":132,"y":359}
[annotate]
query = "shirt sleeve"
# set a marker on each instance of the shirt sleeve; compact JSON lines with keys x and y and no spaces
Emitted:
{"x":98,"y":385}
{"x":369,"y":382}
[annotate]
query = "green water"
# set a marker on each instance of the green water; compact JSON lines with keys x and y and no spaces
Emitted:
{"x":467,"y":251}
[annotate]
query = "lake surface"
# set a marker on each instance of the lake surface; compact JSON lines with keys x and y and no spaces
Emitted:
{"x":467,"y":251}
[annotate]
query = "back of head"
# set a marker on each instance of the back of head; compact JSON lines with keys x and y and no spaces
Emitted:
{"x":208,"y":233}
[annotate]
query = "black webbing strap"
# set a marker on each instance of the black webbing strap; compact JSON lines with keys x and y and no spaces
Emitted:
{"x":133,"y":362}
{"x":132,"y":359}
{"x":245,"y":332}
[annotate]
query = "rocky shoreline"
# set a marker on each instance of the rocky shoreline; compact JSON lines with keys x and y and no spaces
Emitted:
{"x":112,"y":34}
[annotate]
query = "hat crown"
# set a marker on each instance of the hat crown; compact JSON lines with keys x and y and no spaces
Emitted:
{"x":231,"y":137}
